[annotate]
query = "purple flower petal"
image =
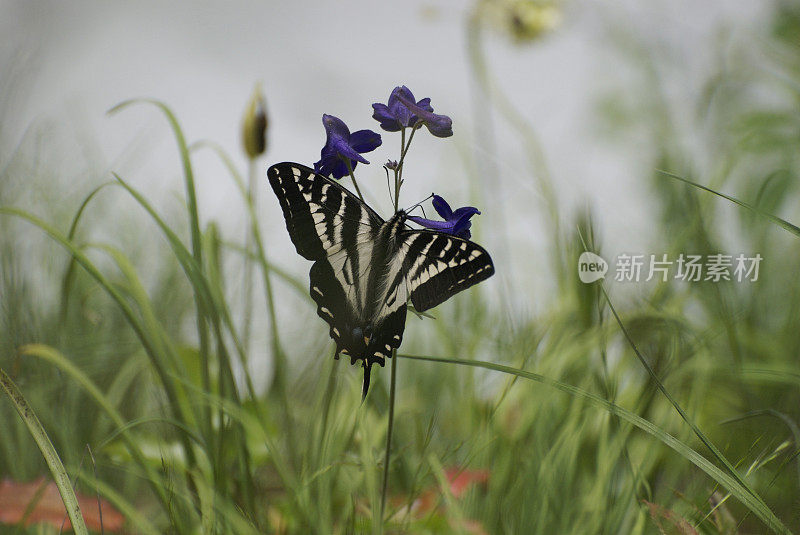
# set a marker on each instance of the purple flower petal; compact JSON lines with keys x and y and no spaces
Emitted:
{"x":335,"y":126}
{"x":456,"y":222}
{"x":342,"y":148}
{"x":425,"y":104}
{"x":404,"y":117}
{"x":384,"y":115}
{"x":441,"y":207}
{"x":438,"y":125}
{"x":397,"y":114}
{"x":365,"y":140}
{"x":442,"y":226}
{"x":462,"y":224}
{"x":340,"y":168}
{"x":471,"y":210}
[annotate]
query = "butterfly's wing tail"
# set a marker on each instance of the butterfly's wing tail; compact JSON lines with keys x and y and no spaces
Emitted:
{"x":365,"y":388}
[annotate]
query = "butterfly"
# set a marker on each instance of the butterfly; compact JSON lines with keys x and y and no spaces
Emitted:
{"x":366,"y":269}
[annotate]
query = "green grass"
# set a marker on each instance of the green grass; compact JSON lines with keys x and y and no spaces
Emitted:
{"x":675,"y":409}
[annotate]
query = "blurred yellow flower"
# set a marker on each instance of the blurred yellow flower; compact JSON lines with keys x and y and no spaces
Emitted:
{"x":522,"y":20}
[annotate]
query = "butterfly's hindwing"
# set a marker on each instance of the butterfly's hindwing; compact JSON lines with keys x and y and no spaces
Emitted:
{"x":439,"y":266}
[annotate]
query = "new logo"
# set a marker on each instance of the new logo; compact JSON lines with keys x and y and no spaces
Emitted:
{"x":591,"y":267}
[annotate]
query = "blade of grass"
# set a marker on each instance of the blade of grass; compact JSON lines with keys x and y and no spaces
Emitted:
{"x":69,"y":273}
{"x":226,"y":376}
{"x":279,"y":375}
{"x":212,"y":298}
{"x":49,"y":453}
{"x":700,"y":435}
{"x":279,"y":380}
{"x":145,"y":338}
{"x":774,"y":219}
{"x":136,"y":519}
{"x":685,"y":417}
{"x":194,"y":225}
{"x":54,"y":357}
{"x":743,"y":494}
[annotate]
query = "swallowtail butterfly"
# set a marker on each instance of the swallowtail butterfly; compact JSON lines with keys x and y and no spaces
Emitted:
{"x":365,"y":269}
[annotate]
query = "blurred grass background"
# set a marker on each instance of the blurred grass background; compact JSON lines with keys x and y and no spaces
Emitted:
{"x":122,"y":326}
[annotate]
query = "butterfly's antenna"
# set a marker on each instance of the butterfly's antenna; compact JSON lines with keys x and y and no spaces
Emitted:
{"x":408,"y":211}
{"x":367,"y":368}
{"x":388,"y":185}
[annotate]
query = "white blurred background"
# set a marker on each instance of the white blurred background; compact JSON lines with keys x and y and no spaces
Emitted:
{"x":64,"y":64}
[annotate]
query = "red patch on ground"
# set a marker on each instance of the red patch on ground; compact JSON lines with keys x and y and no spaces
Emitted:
{"x":44,"y":502}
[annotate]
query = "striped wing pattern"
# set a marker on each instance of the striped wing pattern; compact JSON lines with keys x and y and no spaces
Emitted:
{"x":438,"y":266}
{"x":366,"y":269}
{"x":322,"y":217}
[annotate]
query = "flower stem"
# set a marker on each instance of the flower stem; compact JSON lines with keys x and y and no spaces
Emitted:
{"x":248,"y":265}
{"x":405,"y":147}
{"x":353,"y":178}
{"x":392,"y":383}
{"x":398,"y":172}
{"x":398,"y":180}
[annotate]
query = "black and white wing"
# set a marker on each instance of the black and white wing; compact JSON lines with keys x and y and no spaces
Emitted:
{"x":331,"y":226}
{"x":438,"y":266}
{"x":322,"y":217}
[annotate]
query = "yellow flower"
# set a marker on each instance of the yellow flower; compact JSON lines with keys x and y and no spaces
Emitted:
{"x":522,"y":20}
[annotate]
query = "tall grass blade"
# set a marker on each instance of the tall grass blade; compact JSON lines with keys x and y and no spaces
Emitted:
{"x":49,"y":453}
{"x":774,"y":219}
{"x":741,"y":492}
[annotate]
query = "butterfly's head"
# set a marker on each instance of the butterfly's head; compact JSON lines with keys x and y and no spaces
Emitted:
{"x":400,"y":217}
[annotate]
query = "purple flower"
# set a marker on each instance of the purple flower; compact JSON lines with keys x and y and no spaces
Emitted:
{"x":396,"y":115}
{"x":438,"y":125}
{"x":455,"y":222}
{"x":342,"y":147}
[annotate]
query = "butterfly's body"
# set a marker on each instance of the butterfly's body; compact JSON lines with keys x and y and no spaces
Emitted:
{"x":366,"y":269}
{"x":372,"y":294}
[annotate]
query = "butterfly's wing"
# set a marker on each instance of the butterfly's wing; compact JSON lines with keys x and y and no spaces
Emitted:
{"x":438,"y":266}
{"x":322,"y":217}
{"x":331,"y":226}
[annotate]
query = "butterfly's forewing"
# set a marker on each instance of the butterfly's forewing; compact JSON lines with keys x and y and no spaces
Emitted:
{"x":438,"y":266}
{"x":322,"y":217}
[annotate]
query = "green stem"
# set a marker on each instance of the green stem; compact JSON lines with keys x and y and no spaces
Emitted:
{"x":248,"y":265}
{"x":405,"y":149}
{"x":392,"y":387}
{"x":353,"y":178}
{"x":398,"y":172}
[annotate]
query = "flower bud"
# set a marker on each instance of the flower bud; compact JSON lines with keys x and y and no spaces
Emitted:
{"x":254,"y":125}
